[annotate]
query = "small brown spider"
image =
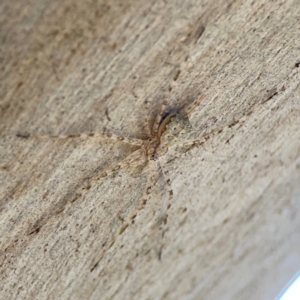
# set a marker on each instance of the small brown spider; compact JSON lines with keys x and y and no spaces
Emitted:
{"x":170,"y":129}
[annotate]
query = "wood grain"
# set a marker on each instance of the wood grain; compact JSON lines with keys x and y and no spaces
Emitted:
{"x":70,"y":67}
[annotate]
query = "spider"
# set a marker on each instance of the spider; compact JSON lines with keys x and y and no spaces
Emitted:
{"x":170,"y":130}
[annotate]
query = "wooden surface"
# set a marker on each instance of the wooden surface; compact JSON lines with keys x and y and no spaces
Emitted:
{"x":70,"y":67}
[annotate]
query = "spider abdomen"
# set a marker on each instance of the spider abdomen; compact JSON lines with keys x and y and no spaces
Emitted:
{"x":173,"y":128}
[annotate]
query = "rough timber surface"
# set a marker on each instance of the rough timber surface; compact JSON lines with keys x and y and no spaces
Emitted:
{"x":70,"y":67}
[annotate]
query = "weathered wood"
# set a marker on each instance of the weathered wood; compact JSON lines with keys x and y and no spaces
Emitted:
{"x":70,"y":67}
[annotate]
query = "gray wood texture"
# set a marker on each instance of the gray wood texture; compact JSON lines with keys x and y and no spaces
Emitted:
{"x":70,"y":67}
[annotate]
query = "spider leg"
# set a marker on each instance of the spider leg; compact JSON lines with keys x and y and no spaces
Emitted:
{"x":127,"y":140}
{"x":165,"y":207}
{"x":159,"y":116}
{"x":167,"y":180}
{"x":187,"y":111}
{"x":192,"y":142}
{"x":102,"y":134}
{"x":202,"y":139}
{"x":147,"y":119}
{"x":132,"y":159}
{"x":147,"y":191}
{"x":131,"y":220}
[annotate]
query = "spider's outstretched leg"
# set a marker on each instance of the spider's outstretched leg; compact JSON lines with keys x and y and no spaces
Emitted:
{"x":159,"y":116}
{"x":103,"y":134}
{"x":145,"y":198}
{"x":167,"y":180}
{"x":165,"y":207}
{"x":149,"y":185}
{"x":132,"y":160}
{"x":187,"y":111}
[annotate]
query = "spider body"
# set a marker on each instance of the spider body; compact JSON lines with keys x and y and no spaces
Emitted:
{"x":172,"y":128}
